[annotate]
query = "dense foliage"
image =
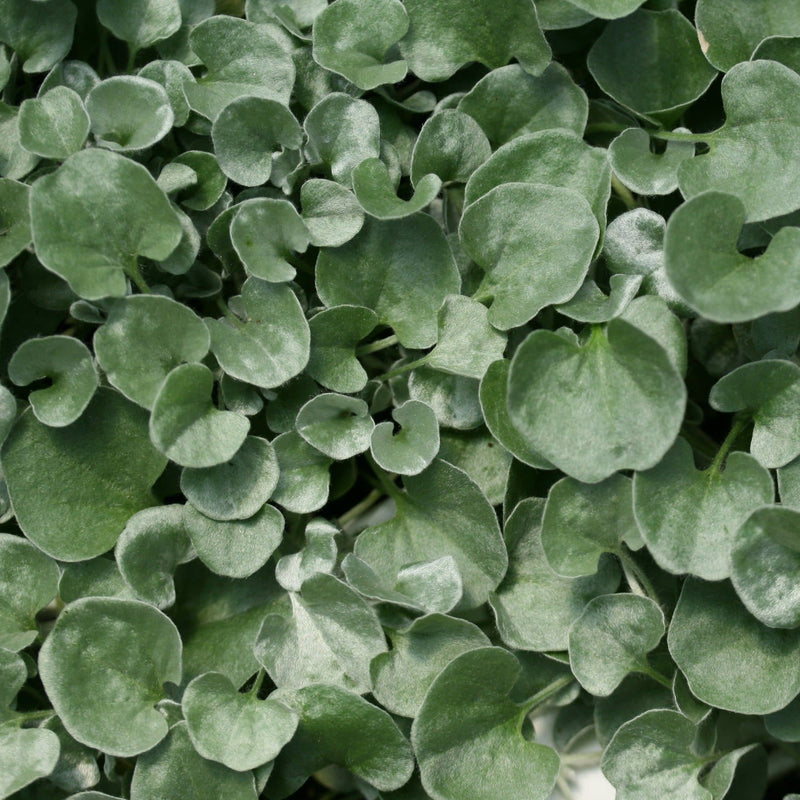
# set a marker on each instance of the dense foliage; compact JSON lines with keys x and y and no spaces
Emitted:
{"x":378,"y":376}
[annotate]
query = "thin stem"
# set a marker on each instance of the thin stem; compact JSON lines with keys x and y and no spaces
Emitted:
{"x":359,"y":508}
{"x":31,"y":716}
{"x":637,"y":579}
{"x":135,"y":274}
{"x":403,"y":368}
{"x":657,"y":676}
{"x":223,"y":307}
{"x":544,"y":695}
{"x":739,"y":424}
{"x":376,"y":346}
{"x":256,"y":687}
{"x":700,"y":441}
{"x":132,"y":53}
{"x":581,"y":759}
{"x":677,"y":136}
{"x":563,"y":787}
{"x":386,"y":481}
{"x":624,"y":193}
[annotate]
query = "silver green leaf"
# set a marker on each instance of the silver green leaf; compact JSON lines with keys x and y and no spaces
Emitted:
{"x":55,"y":125}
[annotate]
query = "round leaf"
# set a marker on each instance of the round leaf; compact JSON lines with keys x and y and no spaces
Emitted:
{"x":755,"y":153}
{"x":534,"y":607}
{"x":264,"y":234}
{"x":171,"y":75}
{"x":453,"y":398}
{"x":304,"y":479}
{"x":467,"y":734}
{"x":612,"y":638}
{"x":129,"y":113}
{"x":103,"y":667}
{"x":621,"y":379}
{"x":695,"y":530}
{"x":70,"y":366}
{"x":237,"y":548}
{"x":247,"y":132}
{"x":711,"y":637}
{"x":331,"y":213}
{"x":94,"y":215}
{"x":373,"y":189}
{"x":335,"y":332}
{"x":55,"y":125}
{"x":271,"y":344}
{"x":535,"y":243}
{"x":26,"y":754}
{"x":770,"y":391}
{"x":450,"y":145}
{"x":766,"y":566}
{"x":149,"y":550}
{"x":352,"y":38}
{"x":643,"y":171}
{"x":167,"y":771}
{"x":401,"y":678}
{"x":141,"y":23}
{"x":661,"y":49}
{"x":143,"y":340}
{"x":238,"y":730}
{"x":238,"y":488}
{"x":94,"y":473}
{"x":442,"y":512}
{"x":401,"y":269}
{"x":341,"y":728}
{"x":28,"y":582}
{"x":509,"y":102}
{"x":411,"y":449}
{"x":730,"y":286}
{"x":337,"y":425}
{"x":445,"y":35}
{"x":39,"y":33}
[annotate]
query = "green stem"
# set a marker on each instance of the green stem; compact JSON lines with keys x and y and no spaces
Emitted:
{"x":359,"y":508}
{"x":739,"y":424}
{"x":132,"y":53}
{"x":256,"y":687}
{"x":31,"y":716}
{"x":637,"y":579}
{"x":657,"y":676}
{"x":677,"y":136}
{"x":376,"y":346}
{"x":624,"y":193}
{"x":581,"y":759}
{"x":403,"y":368}
{"x":700,"y":441}
{"x":223,"y":307}
{"x":386,"y":481}
{"x":543,"y":696}
{"x":135,"y":274}
{"x":563,"y":787}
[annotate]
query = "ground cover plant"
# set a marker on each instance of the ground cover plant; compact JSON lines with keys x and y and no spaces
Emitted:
{"x":380,"y":377}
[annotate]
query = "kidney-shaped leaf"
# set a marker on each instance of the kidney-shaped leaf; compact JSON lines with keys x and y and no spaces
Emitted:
{"x":337,"y":425}
{"x":26,"y":754}
{"x":644,"y":171}
{"x":238,"y":730}
{"x":327,"y":634}
{"x":766,"y":566}
{"x":445,"y":35}
{"x":144,"y":338}
{"x":168,"y":769}
{"x":372,"y":185}
{"x":94,"y":215}
{"x":712,"y":637}
{"x":770,"y":391}
{"x":652,"y":756}
{"x":535,"y":243}
{"x":152,"y":546}
{"x":713,"y":277}
{"x":755,"y":155}
{"x":341,"y":728}
{"x":187,"y":428}
{"x":304,"y":479}
{"x":55,"y":125}
{"x":411,"y":449}
{"x":534,"y":606}
{"x":467,"y":734}
{"x":612,"y":638}
{"x":242,"y":59}
{"x":352,"y":37}
{"x":103,"y":667}
{"x":247,"y":132}
{"x":28,"y":582}
{"x":442,"y":512}
{"x":68,"y":363}
{"x":141,"y":23}
{"x":694,"y":531}
{"x":94,"y":473}
{"x":39,"y":33}
{"x":331,"y":212}
{"x":402,"y":269}
{"x":129,"y":113}
{"x":269,"y":343}
{"x":620,"y":379}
